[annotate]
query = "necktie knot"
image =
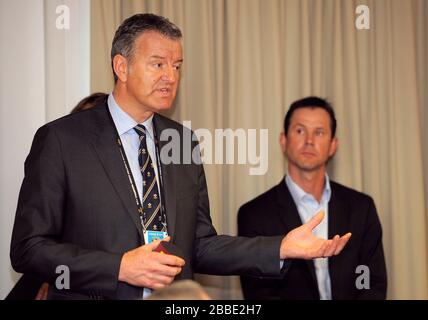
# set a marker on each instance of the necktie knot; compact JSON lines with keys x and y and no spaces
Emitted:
{"x":140,"y":130}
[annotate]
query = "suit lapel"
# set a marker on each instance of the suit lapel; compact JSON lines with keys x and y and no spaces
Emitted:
{"x":104,"y":142}
{"x":290,"y":217}
{"x":338,"y":223}
{"x":168,"y":178}
{"x":288,"y":213}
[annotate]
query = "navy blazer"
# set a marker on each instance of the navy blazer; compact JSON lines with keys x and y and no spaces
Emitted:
{"x":275,"y":213}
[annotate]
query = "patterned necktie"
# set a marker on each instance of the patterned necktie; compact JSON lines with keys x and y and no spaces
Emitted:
{"x":152,"y":217}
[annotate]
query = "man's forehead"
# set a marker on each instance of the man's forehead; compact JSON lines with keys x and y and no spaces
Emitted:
{"x":155,"y":38}
{"x":310,"y":116}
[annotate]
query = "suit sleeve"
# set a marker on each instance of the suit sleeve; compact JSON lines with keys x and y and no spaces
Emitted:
{"x":36,"y":245}
{"x":255,"y":288}
{"x":372,"y":255}
{"x":227,"y":255}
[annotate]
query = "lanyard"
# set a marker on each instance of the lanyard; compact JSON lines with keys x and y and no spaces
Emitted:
{"x":132,"y":181}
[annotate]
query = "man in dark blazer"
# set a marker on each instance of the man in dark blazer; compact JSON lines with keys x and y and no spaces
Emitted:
{"x":81,"y":221}
{"x":308,"y":141}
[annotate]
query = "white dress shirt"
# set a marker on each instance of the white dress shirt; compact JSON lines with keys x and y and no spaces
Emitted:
{"x":308,"y":206}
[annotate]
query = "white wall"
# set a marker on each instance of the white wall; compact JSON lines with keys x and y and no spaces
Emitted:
{"x":44,"y":72}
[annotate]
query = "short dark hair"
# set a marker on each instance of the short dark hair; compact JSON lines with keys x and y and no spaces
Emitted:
{"x":132,"y":27}
{"x":311,"y":102}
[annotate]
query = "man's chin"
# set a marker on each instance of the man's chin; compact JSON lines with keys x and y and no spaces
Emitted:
{"x":309,"y":167}
{"x":161,"y":107}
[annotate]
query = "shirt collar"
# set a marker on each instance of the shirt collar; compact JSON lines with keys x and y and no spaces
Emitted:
{"x":299,"y":194}
{"x":123,"y":121}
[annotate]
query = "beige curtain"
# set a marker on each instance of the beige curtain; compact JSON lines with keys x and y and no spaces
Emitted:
{"x":247,"y":60}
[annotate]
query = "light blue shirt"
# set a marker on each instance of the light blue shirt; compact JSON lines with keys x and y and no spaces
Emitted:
{"x":130,"y":140}
{"x":308,"y":206}
{"x":131,"y":143}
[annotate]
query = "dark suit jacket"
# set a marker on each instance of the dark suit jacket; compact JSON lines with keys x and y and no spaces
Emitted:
{"x":274,"y":213}
{"x":76,"y":208}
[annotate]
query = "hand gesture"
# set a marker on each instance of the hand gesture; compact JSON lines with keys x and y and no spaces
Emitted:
{"x":146,"y":268}
{"x":301,"y":243}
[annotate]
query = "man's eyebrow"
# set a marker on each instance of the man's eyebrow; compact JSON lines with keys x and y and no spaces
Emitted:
{"x":156,"y":57}
{"x":299,"y":124}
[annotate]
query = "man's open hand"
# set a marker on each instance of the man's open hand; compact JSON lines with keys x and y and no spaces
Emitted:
{"x":300,"y":243}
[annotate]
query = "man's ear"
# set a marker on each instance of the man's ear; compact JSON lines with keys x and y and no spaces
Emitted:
{"x":120,"y":67}
{"x":283,"y":141}
{"x":333,"y":146}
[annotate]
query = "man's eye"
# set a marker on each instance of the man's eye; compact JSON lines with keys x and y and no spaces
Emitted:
{"x":158,"y":65}
{"x":320,"y":133}
{"x":299,"y":130}
{"x":177,"y":67}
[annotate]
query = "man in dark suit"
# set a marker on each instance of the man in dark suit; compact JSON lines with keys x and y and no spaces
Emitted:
{"x":100,"y":191}
{"x":309,"y":141}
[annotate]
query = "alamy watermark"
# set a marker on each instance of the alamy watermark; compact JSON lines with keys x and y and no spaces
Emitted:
{"x":363,"y":280}
{"x":224,"y":146}
{"x":62,"y":21}
{"x":63,"y":280}
{"x":362,"y":21}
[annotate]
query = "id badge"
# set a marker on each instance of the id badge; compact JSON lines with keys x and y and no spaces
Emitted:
{"x":150,"y":236}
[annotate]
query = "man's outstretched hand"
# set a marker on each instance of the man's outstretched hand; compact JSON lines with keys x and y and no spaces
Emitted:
{"x":300,"y":243}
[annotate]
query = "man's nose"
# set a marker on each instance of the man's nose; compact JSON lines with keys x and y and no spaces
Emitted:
{"x":309,"y":138}
{"x":169,"y":74}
